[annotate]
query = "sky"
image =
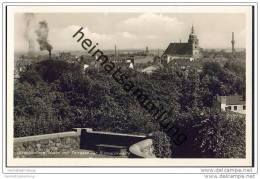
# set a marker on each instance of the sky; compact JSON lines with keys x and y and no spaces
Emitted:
{"x":136,"y":30}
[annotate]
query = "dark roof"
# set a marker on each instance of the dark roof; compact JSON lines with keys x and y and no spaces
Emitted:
{"x":233,"y":100}
{"x":143,"y":59}
{"x":179,"y":49}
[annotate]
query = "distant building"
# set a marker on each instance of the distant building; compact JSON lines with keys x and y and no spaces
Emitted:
{"x":150,"y":69}
{"x":156,"y":60}
{"x":86,"y":59}
{"x":143,"y":59}
{"x":183,"y":51}
{"x":124,"y":61}
{"x":22,"y":63}
{"x":67,"y":56}
{"x":85,"y":66}
{"x":146,"y":51}
{"x":232,"y":103}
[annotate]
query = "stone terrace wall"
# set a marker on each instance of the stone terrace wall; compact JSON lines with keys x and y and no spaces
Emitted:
{"x":89,"y":138}
{"x":65,"y":144}
{"x":49,"y":144}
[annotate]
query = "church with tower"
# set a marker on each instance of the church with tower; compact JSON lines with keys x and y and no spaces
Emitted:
{"x":183,"y":52}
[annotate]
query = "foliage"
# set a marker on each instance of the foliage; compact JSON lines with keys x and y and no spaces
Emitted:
{"x":62,"y":98}
{"x":55,"y":96}
{"x":216,"y":80}
{"x":211,"y":135}
{"x":223,"y":135}
{"x":161,"y":143}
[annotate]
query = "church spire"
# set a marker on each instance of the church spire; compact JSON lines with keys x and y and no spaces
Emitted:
{"x":192,"y":29}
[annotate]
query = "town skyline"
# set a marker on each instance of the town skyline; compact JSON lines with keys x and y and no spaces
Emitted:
{"x":136,"y":30}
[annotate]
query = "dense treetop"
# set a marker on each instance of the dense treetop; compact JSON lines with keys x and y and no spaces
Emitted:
{"x":55,"y":96}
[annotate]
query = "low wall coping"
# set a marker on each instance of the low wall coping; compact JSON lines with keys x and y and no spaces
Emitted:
{"x":89,"y":130}
{"x":45,"y":136}
{"x":119,"y":134}
{"x":79,"y":130}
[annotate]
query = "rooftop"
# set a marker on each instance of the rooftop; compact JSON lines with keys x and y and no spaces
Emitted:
{"x":184,"y":49}
{"x":232,"y":100}
{"x":143,"y":59}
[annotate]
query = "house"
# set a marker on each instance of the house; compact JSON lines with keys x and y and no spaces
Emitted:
{"x":124,"y":62}
{"x":232,"y":103}
{"x":143,"y":59}
{"x":188,"y":51}
{"x":68,"y":57}
{"x":150,"y":69}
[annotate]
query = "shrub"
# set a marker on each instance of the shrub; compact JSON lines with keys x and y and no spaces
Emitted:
{"x":222,"y":135}
{"x":211,"y":135}
{"x":162,"y":145}
{"x":58,"y":97}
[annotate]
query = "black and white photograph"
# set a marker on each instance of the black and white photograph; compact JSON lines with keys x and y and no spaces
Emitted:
{"x":138,"y":86}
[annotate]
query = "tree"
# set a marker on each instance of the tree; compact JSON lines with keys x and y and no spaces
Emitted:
{"x":55,"y":96}
{"x":162,"y":145}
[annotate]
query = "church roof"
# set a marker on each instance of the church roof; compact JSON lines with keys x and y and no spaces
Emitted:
{"x":183,"y":49}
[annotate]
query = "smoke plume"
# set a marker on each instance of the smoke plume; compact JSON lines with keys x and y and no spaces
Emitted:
{"x":29,"y":33}
{"x":42,"y":37}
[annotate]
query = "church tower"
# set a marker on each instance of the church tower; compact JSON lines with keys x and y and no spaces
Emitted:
{"x":194,"y":43}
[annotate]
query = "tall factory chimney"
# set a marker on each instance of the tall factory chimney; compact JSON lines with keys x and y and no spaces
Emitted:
{"x":233,"y":43}
{"x":42,"y":37}
{"x":49,"y":53}
{"x":115,"y":51}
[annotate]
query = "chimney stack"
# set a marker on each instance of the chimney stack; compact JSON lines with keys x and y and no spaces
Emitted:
{"x":115,"y":51}
{"x":233,"y":43}
{"x":49,"y":54}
